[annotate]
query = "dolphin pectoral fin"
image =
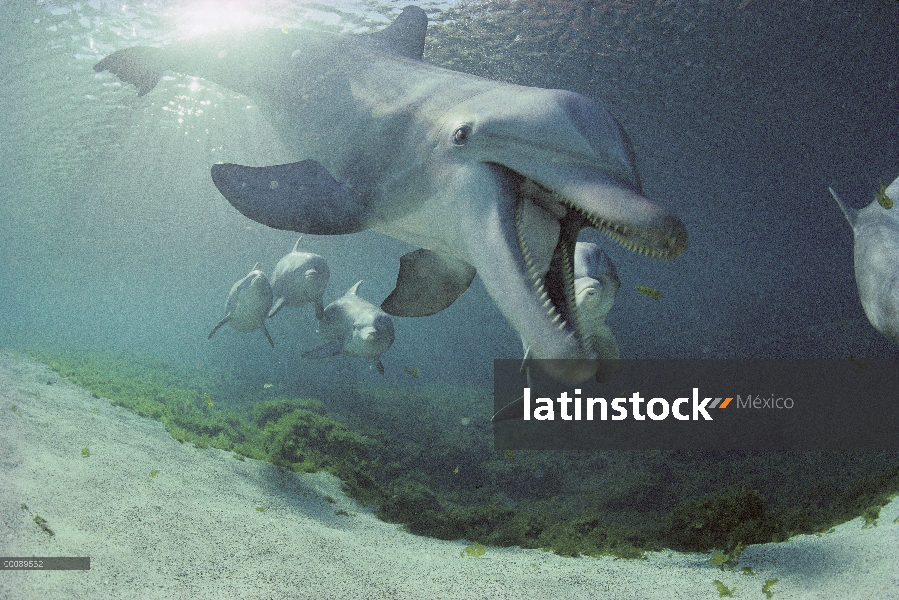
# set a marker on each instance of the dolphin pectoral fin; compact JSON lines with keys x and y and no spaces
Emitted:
{"x":218,"y":325}
{"x":140,"y":66}
{"x":379,"y":365}
{"x":850,"y":213}
{"x":324,"y":351}
{"x":319,"y":309}
{"x":279,"y":303}
{"x":427,"y":283}
{"x":513,"y":410}
{"x":268,"y":335}
{"x":300,"y":196}
{"x":603,"y":343}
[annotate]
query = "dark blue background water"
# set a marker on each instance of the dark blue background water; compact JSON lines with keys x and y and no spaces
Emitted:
{"x":112,"y":235}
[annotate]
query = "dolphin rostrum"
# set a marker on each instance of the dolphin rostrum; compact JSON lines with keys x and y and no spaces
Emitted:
{"x":876,"y":232}
{"x":248,"y":304}
{"x":485,"y":177}
{"x":298,"y":278}
{"x":355,"y":327}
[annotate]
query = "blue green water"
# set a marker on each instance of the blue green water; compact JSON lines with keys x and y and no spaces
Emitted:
{"x":113,"y":236}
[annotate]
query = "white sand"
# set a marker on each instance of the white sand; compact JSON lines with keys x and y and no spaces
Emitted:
{"x":194,"y":531}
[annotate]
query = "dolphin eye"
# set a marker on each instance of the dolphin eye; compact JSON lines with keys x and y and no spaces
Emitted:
{"x":460,"y":135}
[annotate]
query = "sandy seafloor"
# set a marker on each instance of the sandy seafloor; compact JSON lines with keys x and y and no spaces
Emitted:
{"x":194,"y":531}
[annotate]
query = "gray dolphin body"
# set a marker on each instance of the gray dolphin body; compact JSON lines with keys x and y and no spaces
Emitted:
{"x":248,"y":304}
{"x":596,"y":284}
{"x":355,"y":327}
{"x":485,"y":177}
{"x":300,"y":278}
{"x":876,"y":232}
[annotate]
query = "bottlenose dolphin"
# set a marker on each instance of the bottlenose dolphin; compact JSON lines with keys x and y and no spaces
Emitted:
{"x":596,"y":284}
{"x":354,"y":327}
{"x":876,"y":232}
{"x":248,"y":304}
{"x":485,"y":177}
{"x":300,"y":277}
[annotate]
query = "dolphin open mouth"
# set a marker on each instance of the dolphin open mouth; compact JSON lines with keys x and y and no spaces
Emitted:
{"x":547,"y":225}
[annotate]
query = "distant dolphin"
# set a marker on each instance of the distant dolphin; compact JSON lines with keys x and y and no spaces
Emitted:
{"x":354,"y":327}
{"x":248,"y":304}
{"x":876,"y":231}
{"x":486,"y":177}
{"x":596,"y":284}
{"x":300,"y":277}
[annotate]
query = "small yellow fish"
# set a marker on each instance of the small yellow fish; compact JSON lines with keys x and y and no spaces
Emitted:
{"x":882,"y":198}
{"x":412,"y":372}
{"x":648,"y":291}
{"x":510,"y":456}
{"x":266,"y":386}
{"x":456,"y":470}
{"x":284,"y":29}
{"x":208,"y":399}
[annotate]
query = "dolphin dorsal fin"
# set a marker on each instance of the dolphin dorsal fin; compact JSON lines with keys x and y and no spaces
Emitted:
{"x":406,"y":35}
{"x":354,"y":289}
{"x":256,"y":266}
{"x":297,"y":245}
{"x":851,"y":213}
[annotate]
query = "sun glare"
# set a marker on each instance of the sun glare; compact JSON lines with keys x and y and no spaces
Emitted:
{"x":208,"y":16}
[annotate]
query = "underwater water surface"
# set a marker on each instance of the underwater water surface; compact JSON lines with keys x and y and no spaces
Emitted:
{"x":741,"y":115}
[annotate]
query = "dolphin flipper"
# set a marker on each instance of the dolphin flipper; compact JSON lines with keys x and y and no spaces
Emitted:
{"x":427,"y":283}
{"x":319,"y":309}
{"x":268,"y":335}
{"x":278,"y":304}
{"x":324,"y":351}
{"x":218,"y":325}
{"x":300,"y":196}
{"x":512,"y":410}
{"x":379,"y":365}
{"x":850,"y":213}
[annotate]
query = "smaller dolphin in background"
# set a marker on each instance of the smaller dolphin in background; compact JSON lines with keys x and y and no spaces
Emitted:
{"x":596,"y":284}
{"x":248,"y":304}
{"x":300,"y":277}
{"x":354,"y":327}
{"x":876,"y":231}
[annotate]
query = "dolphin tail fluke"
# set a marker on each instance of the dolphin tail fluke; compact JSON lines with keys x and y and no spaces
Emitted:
{"x":326,"y":350}
{"x":851,"y":213}
{"x":140,"y":66}
{"x":218,"y":325}
{"x":379,"y":365}
{"x":268,"y":335}
{"x":279,"y":303}
{"x":427,"y":283}
{"x":300,"y":196}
